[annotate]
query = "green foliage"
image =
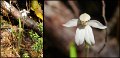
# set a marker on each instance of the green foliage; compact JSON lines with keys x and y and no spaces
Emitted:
{"x":34,"y":35}
{"x":25,"y":55}
{"x":40,"y":25}
{"x":38,"y":45}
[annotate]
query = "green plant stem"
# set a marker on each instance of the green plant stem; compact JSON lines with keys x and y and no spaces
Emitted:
{"x":86,"y":50}
{"x":19,"y":34}
{"x":73,"y":51}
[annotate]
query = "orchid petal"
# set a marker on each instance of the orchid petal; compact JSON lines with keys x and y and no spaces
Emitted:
{"x":87,"y":34}
{"x":71,"y":23}
{"x":96,"y":24}
{"x":91,"y":36}
{"x":80,"y":35}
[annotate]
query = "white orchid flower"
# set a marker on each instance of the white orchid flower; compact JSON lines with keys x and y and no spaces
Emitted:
{"x":84,"y":31}
{"x":24,"y":13}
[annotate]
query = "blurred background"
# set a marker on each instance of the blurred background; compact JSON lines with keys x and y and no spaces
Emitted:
{"x":57,"y":38}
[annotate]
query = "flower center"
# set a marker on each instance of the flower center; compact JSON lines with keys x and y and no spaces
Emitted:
{"x":83,"y":23}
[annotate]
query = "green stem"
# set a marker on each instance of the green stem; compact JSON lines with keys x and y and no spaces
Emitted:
{"x":73,"y":51}
{"x":86,"y":50}
{"x":19,"y":34}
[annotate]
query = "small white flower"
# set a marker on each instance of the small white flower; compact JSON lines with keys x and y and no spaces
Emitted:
{"x":84,"y":31}
{"x":24,"y":13}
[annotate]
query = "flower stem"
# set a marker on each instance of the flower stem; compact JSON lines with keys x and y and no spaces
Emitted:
{"x":86,"y":50}
{"x":19,"y":34}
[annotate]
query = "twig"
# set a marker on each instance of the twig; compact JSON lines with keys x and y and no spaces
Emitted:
{"x":103,"y":14}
